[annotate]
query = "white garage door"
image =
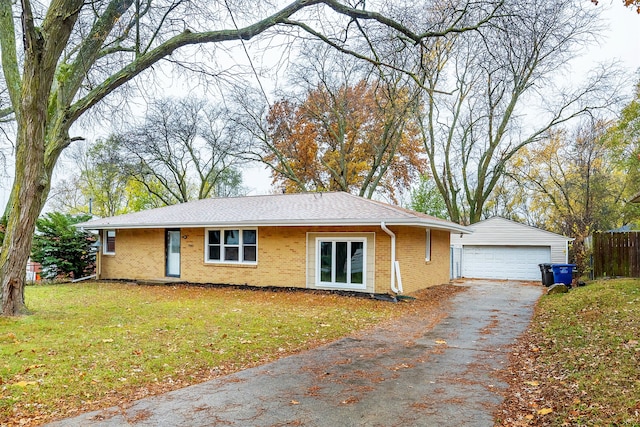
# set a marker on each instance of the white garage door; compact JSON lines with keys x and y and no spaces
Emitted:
{"x":504,"y":262}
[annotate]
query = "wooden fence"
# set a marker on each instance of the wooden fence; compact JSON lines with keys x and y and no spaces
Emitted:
{"x":616,"y":254}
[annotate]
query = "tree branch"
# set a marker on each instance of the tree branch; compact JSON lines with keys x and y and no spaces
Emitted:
{"x":402,"y":29}
{"x":90,"y":50}
{"x":9,"y":55}
{"x":165,"y":49}
{"x":374,"y":61}
{"x":30,"y":33}
{"x":5,"y":112}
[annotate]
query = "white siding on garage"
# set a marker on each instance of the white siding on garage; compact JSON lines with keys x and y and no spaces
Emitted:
{"x":504,"y":262}
{"x":508,"y":242}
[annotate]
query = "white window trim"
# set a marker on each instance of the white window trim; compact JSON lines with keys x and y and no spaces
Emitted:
{"x":333,"y":240}
{"x":105,"y":251}
{"x":222,"y":246}
{"x":427,"y":256}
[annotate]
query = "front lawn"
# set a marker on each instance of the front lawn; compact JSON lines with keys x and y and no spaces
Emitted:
{"x":93,"y":345}
{"x":579,"y":362}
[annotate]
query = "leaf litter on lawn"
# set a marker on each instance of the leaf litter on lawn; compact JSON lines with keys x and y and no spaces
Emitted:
{"x":579,"y":362}
{"x":95,"y":345}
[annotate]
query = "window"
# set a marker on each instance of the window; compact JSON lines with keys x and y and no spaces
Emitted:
{"x":239,"y":246}
{"x":109,"y":246}
{"x":341,"y":263}
{"x":427,"y":256}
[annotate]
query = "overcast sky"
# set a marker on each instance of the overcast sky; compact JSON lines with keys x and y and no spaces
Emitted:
{"x":621,"y":42}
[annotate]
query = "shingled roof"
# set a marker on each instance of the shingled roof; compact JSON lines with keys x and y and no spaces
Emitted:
{"x":300,"y":209}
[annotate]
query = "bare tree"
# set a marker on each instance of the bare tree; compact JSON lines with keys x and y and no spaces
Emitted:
{"x":178,"y":154}
{"x":502,"y":93}
{"x":183,"y":151}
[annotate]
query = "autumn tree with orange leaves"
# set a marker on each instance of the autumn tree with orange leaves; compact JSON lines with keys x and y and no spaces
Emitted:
{"x":356,"y":138}
{"x":633,"y":3}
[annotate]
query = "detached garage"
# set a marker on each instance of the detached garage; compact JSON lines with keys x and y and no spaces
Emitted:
{"x":503,"y":249}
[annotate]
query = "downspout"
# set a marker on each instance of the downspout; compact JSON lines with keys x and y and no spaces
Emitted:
{"x":99,"y":263}
{"x":394,"y":263}
{"x":98,"y":243}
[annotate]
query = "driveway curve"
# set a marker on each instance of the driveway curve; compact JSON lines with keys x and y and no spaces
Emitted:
{"x":407,"y":372}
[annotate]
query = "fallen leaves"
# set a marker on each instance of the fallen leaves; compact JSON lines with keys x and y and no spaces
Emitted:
{"x":576,"y":363}
{"x":400,"y":366}
{"x":24,"y":384}
{"x":350,"y":400}
{"x":31,"y":367}
{"x":545,"y":411}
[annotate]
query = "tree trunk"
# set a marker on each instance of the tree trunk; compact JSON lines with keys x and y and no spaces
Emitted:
{"x":30,"y":188}
{"x":23,"y":211}
{"x":475,"y":213}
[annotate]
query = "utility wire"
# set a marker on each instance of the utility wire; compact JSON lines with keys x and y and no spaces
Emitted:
{"x":246,"y":51}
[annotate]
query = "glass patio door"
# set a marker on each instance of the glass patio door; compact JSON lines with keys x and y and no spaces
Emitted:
{"x":341,"y":263}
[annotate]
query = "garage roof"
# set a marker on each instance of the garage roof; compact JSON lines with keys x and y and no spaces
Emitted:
{"x":498,"y":231}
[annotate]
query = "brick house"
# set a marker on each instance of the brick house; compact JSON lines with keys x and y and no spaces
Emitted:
{"x":310,"y":240}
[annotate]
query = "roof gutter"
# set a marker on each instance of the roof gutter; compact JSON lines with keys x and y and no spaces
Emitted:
{"x":394,"y":263}
{"x":451,"y":227}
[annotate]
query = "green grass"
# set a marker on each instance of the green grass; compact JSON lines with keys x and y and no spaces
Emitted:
{"x":92,"y":345}
{"x":589,"y":355}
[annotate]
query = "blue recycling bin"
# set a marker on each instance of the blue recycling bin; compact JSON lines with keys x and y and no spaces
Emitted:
{"x":563,"y":273}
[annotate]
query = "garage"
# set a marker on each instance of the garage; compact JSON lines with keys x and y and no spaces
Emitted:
{"x":507,"y":250}
{"x":504,"y":262}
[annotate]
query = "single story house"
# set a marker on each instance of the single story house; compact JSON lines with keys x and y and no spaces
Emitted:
{"x":503,"y":249}
{"x":308,"y":240}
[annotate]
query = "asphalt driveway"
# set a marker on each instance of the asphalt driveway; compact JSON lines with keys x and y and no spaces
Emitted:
{"x":411,"y":372}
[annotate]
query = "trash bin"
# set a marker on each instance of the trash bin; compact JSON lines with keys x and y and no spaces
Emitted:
{"x":547,"y":274}
{"x":563,"y":273}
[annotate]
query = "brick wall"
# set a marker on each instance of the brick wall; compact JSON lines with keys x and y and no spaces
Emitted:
{"x":282,"y":258}
{"x":411,"y":251}
{"x":139,"y":255}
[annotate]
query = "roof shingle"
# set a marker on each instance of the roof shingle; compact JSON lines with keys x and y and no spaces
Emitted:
{"x":300,"y":209}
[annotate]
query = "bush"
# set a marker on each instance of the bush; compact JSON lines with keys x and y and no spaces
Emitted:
{"x":61,"y":248}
